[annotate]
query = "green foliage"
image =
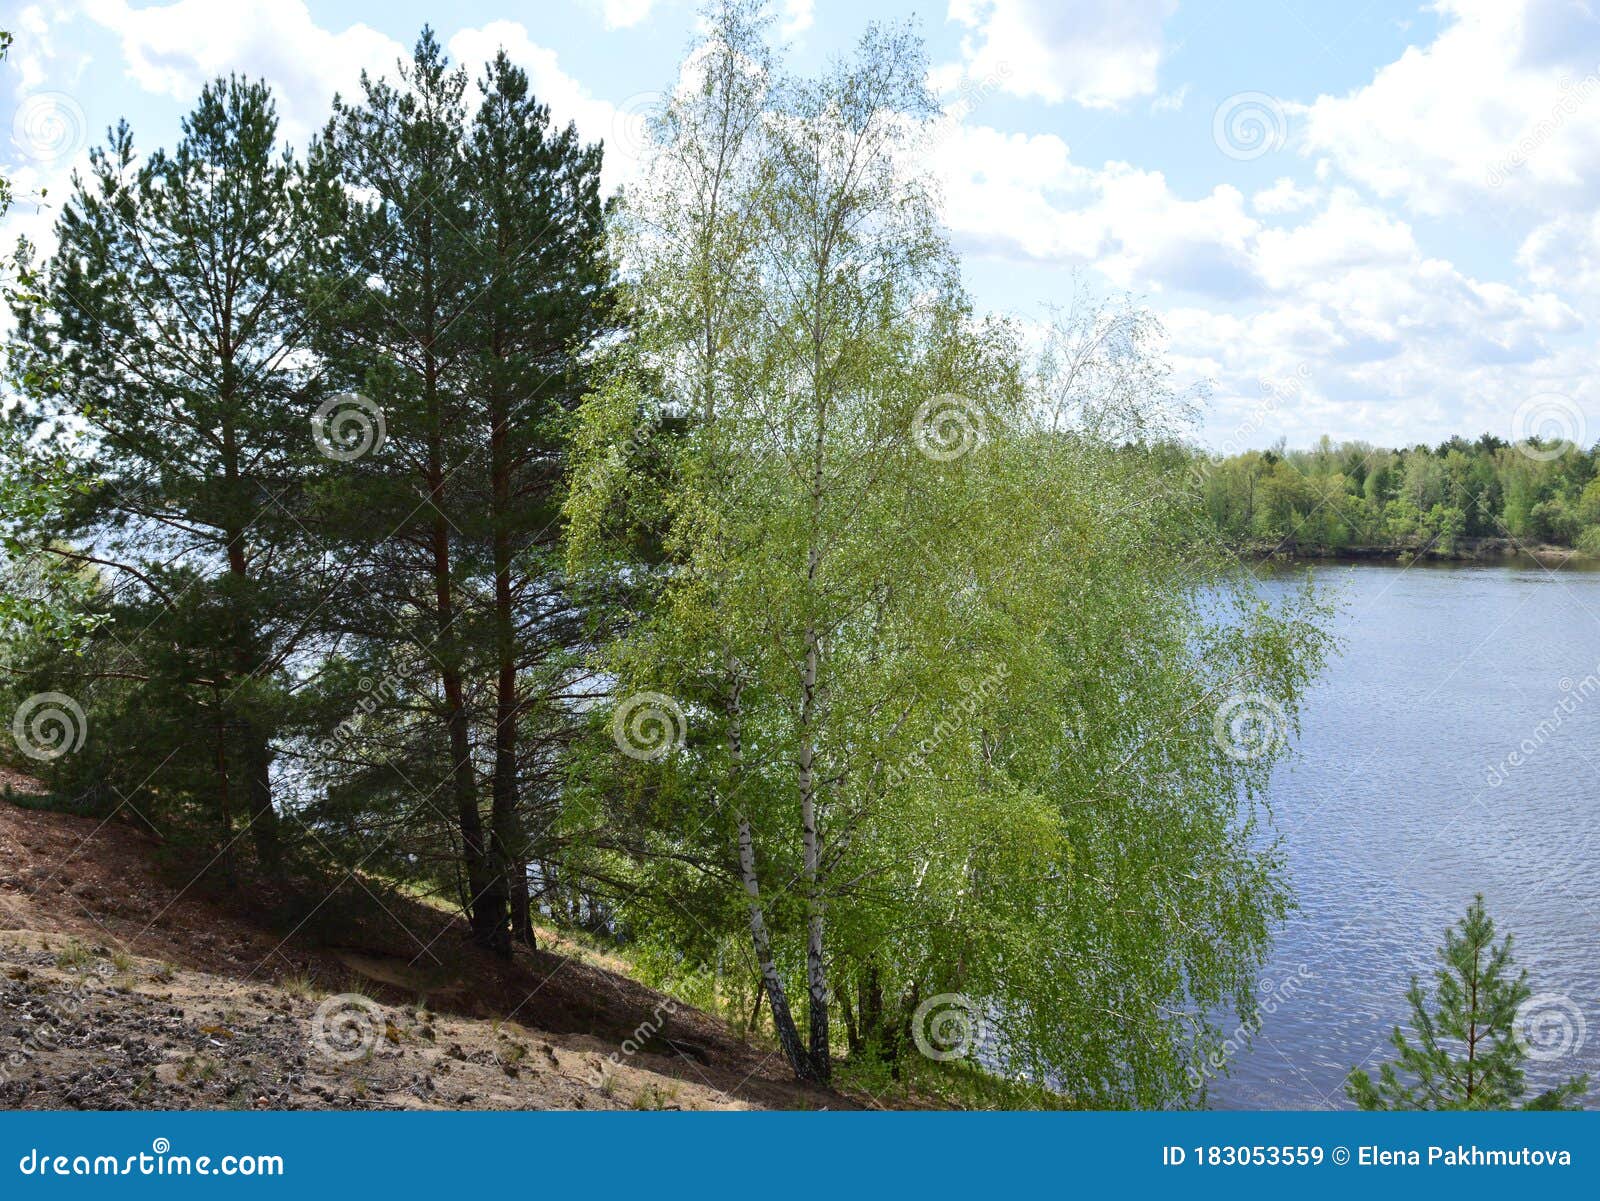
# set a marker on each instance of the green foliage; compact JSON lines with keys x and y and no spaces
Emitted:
{"x":941,"y":640}
{"x":951,"y":1084}
{"x":950,"y":716}
{"x":40,"y":596}
{"x":44,"y":594}
{"x":163,"y":352}
{"x":1351,"y":494}
{"x":1468,"y":1051}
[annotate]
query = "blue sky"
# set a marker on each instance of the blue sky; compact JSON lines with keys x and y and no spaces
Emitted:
{"x":1373,"y":222}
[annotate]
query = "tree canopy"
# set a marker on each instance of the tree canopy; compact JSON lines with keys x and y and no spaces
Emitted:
{"x":697,"y":566}
{"x":1351,"y":494}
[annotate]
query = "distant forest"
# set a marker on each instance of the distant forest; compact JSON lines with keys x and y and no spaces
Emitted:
{"x":1352,"y":494}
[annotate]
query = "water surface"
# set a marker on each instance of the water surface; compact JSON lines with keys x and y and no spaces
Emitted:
{"x":1452,"y":747}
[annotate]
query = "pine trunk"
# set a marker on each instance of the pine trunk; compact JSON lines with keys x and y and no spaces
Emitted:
{"x":510,"y":851}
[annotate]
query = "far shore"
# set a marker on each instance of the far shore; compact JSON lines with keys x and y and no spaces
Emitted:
{"x":1464,"y":550}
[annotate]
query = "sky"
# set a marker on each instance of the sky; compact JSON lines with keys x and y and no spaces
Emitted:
{"x":1372,"y":221}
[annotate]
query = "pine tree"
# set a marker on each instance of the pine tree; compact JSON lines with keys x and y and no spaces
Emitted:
{"x":168,"y":327}
{"x":1467,"y":1054}
{"x":390,"y":323}
{"x":466,"y":282}
{"x":537,"y":221}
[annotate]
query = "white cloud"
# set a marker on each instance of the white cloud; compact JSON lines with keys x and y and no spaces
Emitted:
{"x":621,"y":127}
{"x":1318,"y":283}
{"x":1021,"y":196}
{"x":1346,"y":235}
{"x":45,"y":133}
{"x":1565,"y":253}
{"x":1316,"y":297}
{"x":1323,"y":294}
{"x":174,"y":49}
{"x":46,"y":125}
{"x":1284,"y":196}
{"x":622,"y":14}
{"x":1099,"y":53}
{"x":567,"y":99}
{"x":796,"y":16}
{"x":1501,"y":109}
{"x":37,"y":55}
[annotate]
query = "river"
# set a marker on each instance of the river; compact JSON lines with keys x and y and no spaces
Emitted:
{"x":1423,"y":774}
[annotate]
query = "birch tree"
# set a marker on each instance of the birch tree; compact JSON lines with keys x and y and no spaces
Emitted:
{"x":944,"y":646}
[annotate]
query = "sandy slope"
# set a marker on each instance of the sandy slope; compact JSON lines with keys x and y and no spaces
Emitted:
{"x":124,"y":984}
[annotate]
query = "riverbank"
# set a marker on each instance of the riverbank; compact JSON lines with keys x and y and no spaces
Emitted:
{"x":1463,"y":550}
{"x":128,"y":980}
{"x":126,"y":984}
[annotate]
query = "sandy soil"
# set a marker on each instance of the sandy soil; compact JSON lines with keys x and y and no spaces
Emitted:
{"x":127,"y":982}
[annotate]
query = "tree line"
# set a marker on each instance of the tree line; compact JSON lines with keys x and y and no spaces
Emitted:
{"x":694,"y":565}
{"x":1352,"y":494}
